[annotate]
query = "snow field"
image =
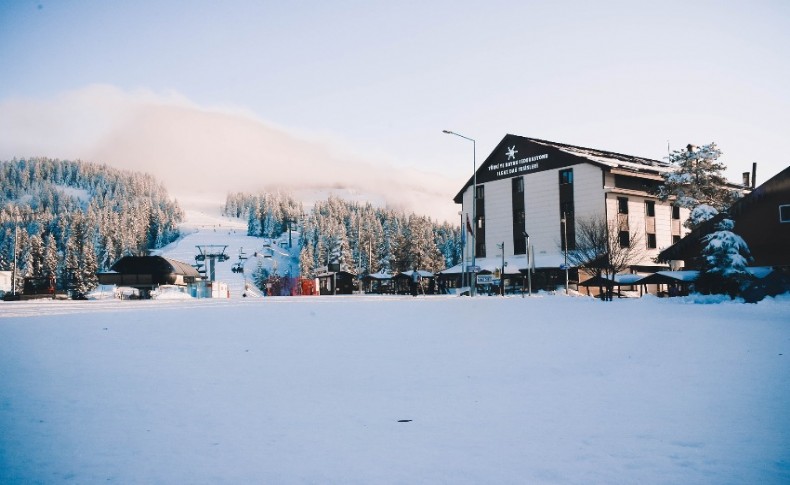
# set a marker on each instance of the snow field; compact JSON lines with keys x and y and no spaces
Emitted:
{"x":310,"y":390}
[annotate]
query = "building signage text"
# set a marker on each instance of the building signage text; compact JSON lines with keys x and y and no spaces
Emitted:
{"x":512,"y":167}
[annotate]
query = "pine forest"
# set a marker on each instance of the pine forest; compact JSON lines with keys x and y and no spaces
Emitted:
{"x":358,"y":238}
{"x":75,"y":218}
{"x":72,"y":219}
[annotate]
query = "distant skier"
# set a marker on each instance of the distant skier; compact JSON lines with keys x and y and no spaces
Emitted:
{"x":415,"y":282}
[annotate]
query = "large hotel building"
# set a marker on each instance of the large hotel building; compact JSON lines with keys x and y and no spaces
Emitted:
{"x":526,"y":185}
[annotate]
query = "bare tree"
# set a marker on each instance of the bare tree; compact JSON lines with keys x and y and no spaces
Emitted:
{"x":603,"y":250}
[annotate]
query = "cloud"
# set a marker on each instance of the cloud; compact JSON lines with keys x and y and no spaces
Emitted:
{"x":198,"y":151}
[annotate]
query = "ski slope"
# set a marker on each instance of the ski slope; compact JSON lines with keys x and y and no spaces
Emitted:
{"x":203,"y":228}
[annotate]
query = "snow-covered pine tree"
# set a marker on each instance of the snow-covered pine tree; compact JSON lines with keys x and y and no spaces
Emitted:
{"x":36,"y":256}
{"x":725,"y":257}
{"x":260,"y":275}
{"x":424,"y":253}
{"x":253,"y":223}
{"x":51,"y":257}
{"x":23,"y":255}
{"x":307,"y":261}
{"x":697,"y":179}
{"x":701,"y":213}
{"x":7,"y":250}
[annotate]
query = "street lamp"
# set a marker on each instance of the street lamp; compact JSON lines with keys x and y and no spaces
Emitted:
{"x":463,"y":249}
{"x":474,"y":207}
{"x":529,"y":263}
{"x":565,"y":237}
{"x":502,"y":272}
{"x":16,"y":239}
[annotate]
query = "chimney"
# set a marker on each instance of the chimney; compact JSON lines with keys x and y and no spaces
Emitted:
{"x":746,"y":179}
{"x":754,"y":174}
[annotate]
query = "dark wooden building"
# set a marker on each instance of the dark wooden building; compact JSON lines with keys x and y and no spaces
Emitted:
{"x":762,"y":219}
{"x":148,"y":272}
{"x":336,"y":283}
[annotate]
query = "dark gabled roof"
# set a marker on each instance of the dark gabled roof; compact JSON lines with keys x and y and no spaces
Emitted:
{"x":594,"y":156}
{"x":779,"y":183}
{"x":602,"y":156}
{"x":153,"y":265}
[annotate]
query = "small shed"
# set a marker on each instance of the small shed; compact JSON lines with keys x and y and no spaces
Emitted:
{"x":677,"y":282}
{"x":336,"y":283}
{"x":619,"y":280}
{"x":379,"y":283}
{"x":402,"y":282}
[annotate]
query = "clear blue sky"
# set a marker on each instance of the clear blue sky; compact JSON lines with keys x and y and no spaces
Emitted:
{"x":384,"y":78}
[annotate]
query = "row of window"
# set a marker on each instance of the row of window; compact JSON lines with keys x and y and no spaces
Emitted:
{"x":650,"y":208}
{"x":650,"y":211}
{"x":650,"y":240}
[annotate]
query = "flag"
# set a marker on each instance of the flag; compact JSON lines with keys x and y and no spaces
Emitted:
{"x":469,"y":226}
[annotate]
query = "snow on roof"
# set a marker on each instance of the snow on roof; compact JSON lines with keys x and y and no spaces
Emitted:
{"x":687,"y":276}
{"x":610,"y":159}
{"x":627,"y":279}
{"x":514,"y":264}
{"x":380,"y":276}
{"x":759,"y":272}
{"x":421,"y":272}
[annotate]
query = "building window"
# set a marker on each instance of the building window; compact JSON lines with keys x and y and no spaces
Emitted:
{"x":625,"y":239}
{"x":519,"y":219}
{"x":675,"y":239}
{"x":650,"y":208}
{"x":480,"y":214}
{"x":518,"y":185}
{"x":567,"y":219}
{"x":651,"y":241}
{"x":784,"y":214}
{"x":675,"y":212}
{"x":622,"y":205}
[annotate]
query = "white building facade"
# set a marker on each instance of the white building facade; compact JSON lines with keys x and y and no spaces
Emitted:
{"x":526,"y":185}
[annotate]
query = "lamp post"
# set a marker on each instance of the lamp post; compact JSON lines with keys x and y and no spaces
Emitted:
{"x":565,"y":237}
{"x":13,"y":274}
{"x":463,"y":249}
{"x":529,"y":263}
{"x":502,"y":272}
{"x":473,"y":276}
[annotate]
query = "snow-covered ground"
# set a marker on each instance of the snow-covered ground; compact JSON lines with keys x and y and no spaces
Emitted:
{"x":384,"y":389}
{"x":548,"y":389}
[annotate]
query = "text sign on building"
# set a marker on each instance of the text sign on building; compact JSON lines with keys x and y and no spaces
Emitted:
{"x":484,"y":279}
{"x":514,"y":166}
{"x":516,"y":156}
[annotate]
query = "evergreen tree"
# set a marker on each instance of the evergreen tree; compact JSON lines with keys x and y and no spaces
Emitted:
{"x":307,"y":261}
{"x":36,"y":256}
{"x":697,"y":179}
{"x":50,"y":265}
{"x":725,"y":257}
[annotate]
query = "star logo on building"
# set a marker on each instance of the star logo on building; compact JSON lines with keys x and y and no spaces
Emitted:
{"x":511,"y":152}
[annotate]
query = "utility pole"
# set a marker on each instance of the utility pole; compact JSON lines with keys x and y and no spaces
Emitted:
{"x":565,"y":237}
{"x":529,"y":263}
{"x":13,"y":274}
{"x":502,"y":272}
